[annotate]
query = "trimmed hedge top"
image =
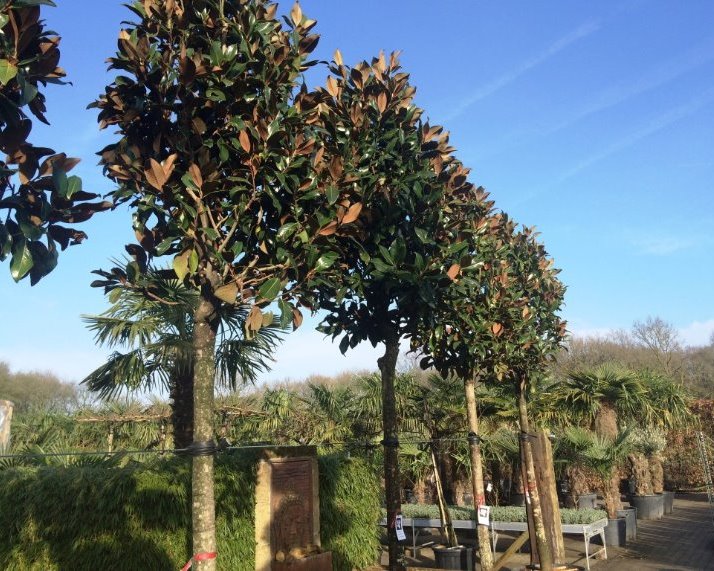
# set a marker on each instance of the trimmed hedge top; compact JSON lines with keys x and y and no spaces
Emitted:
{"x":500,"y":513}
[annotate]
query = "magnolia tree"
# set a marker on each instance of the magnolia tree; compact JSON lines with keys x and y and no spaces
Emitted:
{"x":529,"y":332}
{"x":498,"y":323}
{"x":393,"y":179}
{"x":218,"y":157}
{"x":37,"y":197}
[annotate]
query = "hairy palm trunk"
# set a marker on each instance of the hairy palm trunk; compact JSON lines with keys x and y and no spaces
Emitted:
{"x":656,"y":473}
{"x":202,"y":498}
{"x":181,"y":396}
{"x":606,"y":421}
{"x":388,"y":367}
{"x":482,"y":535}
{"x":532,"y":498}
{"x":611,"y":494}
{"x":640,"y":472}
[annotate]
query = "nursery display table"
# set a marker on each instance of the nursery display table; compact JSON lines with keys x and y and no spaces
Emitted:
{"x":586,"y":530}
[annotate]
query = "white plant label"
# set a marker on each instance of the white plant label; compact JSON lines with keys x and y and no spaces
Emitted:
{"x":399,"y":525}
{"x":484,"y":513}
{"x":489,"y":487}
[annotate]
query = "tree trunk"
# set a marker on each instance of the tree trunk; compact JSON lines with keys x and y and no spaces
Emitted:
{"x":640,"y":472}
{"x":388,"y":367}
{"x":611,"y":494}
{"x":532,"y":498}
{"x":203,"y":504}
{"x":447,"y":527}
{"x":110,"y":438}
{"x":656,"y":473}
{"x":181,"y":396}
{"x":482,"y":534}
{"x":606,"y":421}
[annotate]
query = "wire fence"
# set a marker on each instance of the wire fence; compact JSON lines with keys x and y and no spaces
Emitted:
{"x":230,"y":447}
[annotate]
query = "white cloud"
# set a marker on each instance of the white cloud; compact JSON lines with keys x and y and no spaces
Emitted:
{"x":306,"y":352}
{"x":510,"y":76}
{"x":697,"y":333}
{"x":663,"y":245}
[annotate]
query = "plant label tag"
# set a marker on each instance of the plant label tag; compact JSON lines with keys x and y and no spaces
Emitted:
{"x":484,"y":513}
{"x":489,"y":487}
{"x":399,"y":525}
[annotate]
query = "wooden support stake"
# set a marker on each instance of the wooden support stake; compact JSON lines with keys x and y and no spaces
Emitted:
{"x":515,"y":546}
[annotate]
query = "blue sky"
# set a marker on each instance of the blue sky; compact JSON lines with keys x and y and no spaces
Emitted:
{"x":593,"y":121}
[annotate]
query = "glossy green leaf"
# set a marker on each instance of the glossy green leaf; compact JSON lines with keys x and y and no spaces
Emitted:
{"x":74,"y":184}
{"x":332,"y":193}
{"x":325,"y":261}
{"x":181,"y":265}
{"x":270,"y":289}
{"x":286,"y":231}
{"x":21,"y":262}
{"x":8,"y":71}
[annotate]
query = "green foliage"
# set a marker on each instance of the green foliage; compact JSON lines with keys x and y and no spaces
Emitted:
{"x":400,"y":179}
{"x":500,"y":320}
{"x":37,"y":198}
{"x":349,"y":512}
{"x":500,"y":513}
{"x":157,"y":330}
{"x":216,"y":152}
{"x":137,"y":516}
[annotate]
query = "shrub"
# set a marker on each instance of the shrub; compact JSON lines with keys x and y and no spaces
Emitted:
{"x":349,"y":512}
{"x":138,"y":516}
{"x":500,"y":513}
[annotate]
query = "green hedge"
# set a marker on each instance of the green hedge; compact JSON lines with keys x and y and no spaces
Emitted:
{"x":500,"y":513}
{"x":137,"y":516}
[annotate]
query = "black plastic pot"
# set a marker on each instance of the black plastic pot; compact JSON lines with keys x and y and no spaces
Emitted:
{"x":587,"y":501}
{"x":668,"y":502}
{"x":630,"y":515}
{"x":517,"y":500}
{"x":616,"y":532}
{"x":649,"y":507}
{"x":454,"y":558}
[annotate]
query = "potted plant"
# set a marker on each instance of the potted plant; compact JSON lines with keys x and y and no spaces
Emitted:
{"x":605,"y":456}
{"x":647,"y":444}
{"x":452,"y":555}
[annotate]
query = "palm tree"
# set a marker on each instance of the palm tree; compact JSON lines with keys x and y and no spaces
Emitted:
{"x":155,"y":326}
{"x":604,"y":456}
{"x":603,"y":399}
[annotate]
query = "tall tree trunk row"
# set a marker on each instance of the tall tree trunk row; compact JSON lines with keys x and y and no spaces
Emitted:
{"x":545,"y":554}
{"x":202,"y":496}
{"x":482,"y":533}
{"x":388,"y":369}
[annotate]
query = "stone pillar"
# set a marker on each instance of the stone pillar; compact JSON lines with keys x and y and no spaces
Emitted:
{"x":287,"y":512}
{"x":5,"y":418}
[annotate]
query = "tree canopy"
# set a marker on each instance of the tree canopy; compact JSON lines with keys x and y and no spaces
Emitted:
{"x":37,"y":197}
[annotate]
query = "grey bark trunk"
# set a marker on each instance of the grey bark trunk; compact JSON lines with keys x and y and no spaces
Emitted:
{"x":482,"y":534}
{"x":202,"y":498}
{"x":388,"y":367}
{"x":545,"y":554}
